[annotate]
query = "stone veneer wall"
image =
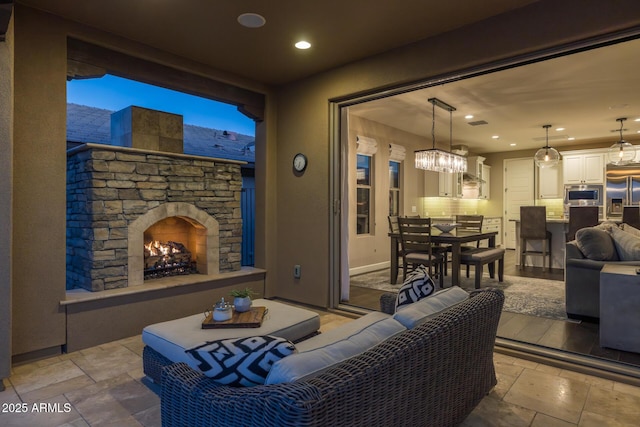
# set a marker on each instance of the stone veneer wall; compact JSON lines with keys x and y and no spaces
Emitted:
{"x":110,"y":187}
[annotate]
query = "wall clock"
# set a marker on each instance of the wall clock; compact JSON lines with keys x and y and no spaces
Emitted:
{"x":299,"y":162}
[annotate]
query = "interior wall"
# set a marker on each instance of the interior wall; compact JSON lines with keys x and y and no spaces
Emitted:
{"x":306,"y":203}
{"x":6,"y":181}
{"x":373,"y":248}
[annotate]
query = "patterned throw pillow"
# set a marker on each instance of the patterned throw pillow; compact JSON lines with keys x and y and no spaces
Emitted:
{"x":240,"y":361}
{"x":416,"y":286}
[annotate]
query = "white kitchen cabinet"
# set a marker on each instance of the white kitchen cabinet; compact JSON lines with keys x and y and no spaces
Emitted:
{"x":492,"y":224}
{"x":486,"y":183}
{"x":583,"y":168}
{"x":443,"y":184}
{"x":550,"y":182}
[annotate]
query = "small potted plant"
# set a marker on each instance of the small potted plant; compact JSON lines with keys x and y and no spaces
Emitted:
{"x":242,"y":299}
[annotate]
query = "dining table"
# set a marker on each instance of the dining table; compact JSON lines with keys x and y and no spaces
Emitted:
{"x":455,"y":239}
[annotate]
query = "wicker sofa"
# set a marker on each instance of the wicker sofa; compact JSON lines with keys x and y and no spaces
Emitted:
{"x":433,"y":374}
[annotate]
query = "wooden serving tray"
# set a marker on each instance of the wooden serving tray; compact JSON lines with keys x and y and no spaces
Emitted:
{"x":247,"y":319}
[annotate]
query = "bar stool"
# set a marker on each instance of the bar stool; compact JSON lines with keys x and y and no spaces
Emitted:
{"x":581,"y":217}
{"x":533,"y":226}
{"x":631,"y":216}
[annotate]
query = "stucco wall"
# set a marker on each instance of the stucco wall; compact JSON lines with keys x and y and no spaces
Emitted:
{"x":6,"y":180}
{"x":303,"y":228}
{"x":39,"y":160}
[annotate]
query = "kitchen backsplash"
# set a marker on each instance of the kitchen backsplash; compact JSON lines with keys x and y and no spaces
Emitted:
{"x":446,"y":207}
{"x":555,"y":207}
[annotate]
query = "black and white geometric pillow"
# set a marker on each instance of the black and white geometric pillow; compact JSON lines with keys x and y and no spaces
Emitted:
{"x":240,"y":361}
{"x":416,"y":286}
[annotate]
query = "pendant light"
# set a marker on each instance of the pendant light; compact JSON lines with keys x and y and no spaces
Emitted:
{"x":547,"y":157}
{"x":621,"y":152}
{"x":435,"y":159}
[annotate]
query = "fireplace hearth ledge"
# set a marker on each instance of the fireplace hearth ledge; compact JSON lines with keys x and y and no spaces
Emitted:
{"x":79,"y":295}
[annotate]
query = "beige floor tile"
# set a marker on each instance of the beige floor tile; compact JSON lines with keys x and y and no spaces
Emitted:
{"x":39,"y":377}
{"x":505,"y":382}
{"x":497,"y":413}
{"x":589,"y":419}
{"x":542,"y":420}
{"x":626,"y":388}
{"x":76,"y":423}
{"x":589,"y":379}
{"x":508,"y":368}
{"x":9,"y":396}
{"x":621,"y":407}
{"x":548,"y":369}
{"x":149,"y":417}
{"x":555,"y":396}
{"x":103,"y":364}
{"x":57,"y":389}
{"x":78,"y":395}
{"x":52,"y":413}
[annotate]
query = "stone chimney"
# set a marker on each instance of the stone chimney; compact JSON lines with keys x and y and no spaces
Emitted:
{"x":137,"y":127}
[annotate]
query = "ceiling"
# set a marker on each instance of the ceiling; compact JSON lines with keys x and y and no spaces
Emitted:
{"x":584,"y":93}
{"x":340,"y":31}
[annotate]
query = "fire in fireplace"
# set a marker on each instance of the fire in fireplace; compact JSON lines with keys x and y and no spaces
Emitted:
{"x":167,"y":259}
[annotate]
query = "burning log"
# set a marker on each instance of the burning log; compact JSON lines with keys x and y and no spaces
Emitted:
{"x":167,"y":259}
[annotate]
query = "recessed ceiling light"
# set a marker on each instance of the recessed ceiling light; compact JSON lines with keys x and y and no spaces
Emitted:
{"x":636,"y":120}
{"x":495,"y":136}
{"x":559,"y":129}
{"x":303,"y":45}
{"x":251,"y":20}
{"x":571,"y":138}
{"x":513,"y":144}
{"x":468,"y":116}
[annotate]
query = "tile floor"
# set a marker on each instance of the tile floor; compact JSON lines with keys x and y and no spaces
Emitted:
{"x":104,"y":386}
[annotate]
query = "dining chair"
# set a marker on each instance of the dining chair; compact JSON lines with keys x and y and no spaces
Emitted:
{"x":417,"y":247}
{"x":394,"y":230}
{"x":469,"y":223}
{"x":533,"y":226}
{"x":581,"y":217}
{"x":631,"y":216}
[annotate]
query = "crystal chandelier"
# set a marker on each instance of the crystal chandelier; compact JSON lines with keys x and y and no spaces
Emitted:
{"x":547,"y":156}
{"x":621,"y":152}
{"x":435,"y":159}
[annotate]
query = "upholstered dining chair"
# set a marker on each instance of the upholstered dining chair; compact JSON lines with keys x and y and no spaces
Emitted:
{"x":417,"y":247}
{"x":533,"y":226}
{"x":631,"y":216}
{"x":581,"y":217}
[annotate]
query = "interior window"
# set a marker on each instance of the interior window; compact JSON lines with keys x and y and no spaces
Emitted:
{"x":363,"y":198}
{"x":394,"y":188}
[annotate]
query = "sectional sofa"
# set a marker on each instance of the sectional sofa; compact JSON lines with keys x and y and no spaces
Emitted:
{"x":428,"y":364}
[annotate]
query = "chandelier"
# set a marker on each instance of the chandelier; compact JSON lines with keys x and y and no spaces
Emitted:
{"x":621,"y":152}
{"x":547,"y":156}
{"x":437,"y":160}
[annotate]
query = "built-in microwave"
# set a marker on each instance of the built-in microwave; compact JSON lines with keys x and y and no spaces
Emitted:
{"x":583,"y":195}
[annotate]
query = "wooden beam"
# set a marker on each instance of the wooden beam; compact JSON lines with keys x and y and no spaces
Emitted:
{"x":119,"y":64}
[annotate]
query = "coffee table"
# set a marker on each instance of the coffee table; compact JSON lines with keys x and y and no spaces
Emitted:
{"x":166,"y":342}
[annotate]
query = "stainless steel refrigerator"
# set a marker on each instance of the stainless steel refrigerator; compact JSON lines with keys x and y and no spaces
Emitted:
{"x":623,"y":188}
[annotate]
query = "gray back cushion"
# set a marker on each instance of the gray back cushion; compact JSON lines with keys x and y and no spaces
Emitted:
{"x":596,"y":244}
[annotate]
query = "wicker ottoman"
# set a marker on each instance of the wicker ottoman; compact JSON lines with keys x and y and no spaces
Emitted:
{"x":166,"y":342}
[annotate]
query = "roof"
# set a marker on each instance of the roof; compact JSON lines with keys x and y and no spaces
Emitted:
{"x":90,"y":124}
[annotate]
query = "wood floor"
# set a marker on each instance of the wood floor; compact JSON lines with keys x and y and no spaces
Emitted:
{"x":572,"y":336}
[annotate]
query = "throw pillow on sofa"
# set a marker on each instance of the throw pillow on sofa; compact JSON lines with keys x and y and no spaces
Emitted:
{"x":630,"y":229}
{"x":596,"y":244}
{"x":416,"y":286}
{"x":240,"y":361}
{"x":627,"y":245}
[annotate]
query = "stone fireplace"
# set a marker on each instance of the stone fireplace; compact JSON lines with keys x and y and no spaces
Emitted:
{"x":116,"y":194}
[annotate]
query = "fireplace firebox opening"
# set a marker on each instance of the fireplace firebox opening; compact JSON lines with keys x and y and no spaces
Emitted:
{"x":171,"y":248}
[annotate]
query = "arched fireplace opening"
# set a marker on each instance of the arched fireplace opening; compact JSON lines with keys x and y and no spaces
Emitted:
{"x":173,"y":246}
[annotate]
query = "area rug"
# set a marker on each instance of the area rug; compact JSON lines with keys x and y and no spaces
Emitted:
{"x":536,"y":297}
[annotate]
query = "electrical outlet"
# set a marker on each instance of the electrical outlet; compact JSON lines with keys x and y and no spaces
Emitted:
{"x":297,"y":271}
{"x":414,"y":209}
